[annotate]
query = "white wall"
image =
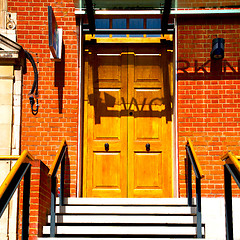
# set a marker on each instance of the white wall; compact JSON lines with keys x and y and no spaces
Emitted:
{"x":213,"y":215}
{"x":8,"y":221}
{"x":6,"y":105}
{"x":5,"y":168}
{"x":10,"y":124}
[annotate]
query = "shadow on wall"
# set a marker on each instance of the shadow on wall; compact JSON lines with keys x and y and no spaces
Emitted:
{"x":67,"y":176}
{"x":60,"y":78}
{"x":210,"y":70}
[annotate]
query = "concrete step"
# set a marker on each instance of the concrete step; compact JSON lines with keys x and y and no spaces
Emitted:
{"x":127,"y":201}
{"x":124,"y":230}
{"x":160,"y":210}
{"x":135,"y":218}
{"x":124,"y":219}
{"x":115,"y":238}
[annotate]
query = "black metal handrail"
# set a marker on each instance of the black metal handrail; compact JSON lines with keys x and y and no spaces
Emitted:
{"x":59,"y":159}
{"x":192,"y":161}
{"x":22,"y":168}
{"x":231,"y":168}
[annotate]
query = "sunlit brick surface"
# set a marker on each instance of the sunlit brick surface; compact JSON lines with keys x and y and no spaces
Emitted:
{"x":208,"y":97}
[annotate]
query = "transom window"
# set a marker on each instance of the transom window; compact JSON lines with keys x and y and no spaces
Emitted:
{"x":127,"y":23}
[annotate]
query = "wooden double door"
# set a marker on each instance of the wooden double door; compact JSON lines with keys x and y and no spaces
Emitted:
{"x":128,"y":121}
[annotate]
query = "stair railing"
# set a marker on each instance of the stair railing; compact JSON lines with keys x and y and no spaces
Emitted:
{"x":59,"y":159}
{"x":22,"y":168}
{"x":192,"y":161}
{"x":231,"y":168}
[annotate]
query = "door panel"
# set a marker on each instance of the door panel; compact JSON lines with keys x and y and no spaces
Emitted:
{"x":127,"y":105}
{"x":109,"y":68}
{"x":147,"y":171}
{"x":106,"y":175}
{"x":147,"y":67}
{"x":147,"y":113}
{"x":107,"y":113}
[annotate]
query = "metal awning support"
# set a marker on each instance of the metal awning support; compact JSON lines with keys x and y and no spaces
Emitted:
{"x":165,"y":16}
{"x":90,"y":15}
{"x":91,"y":29}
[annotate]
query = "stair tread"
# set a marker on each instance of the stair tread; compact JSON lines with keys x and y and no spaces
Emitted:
{"x":123,"y":219}
{"x":123,"y":230}
{"x":125,"y":201}
{"x":125,"y":210}
{"x":143,"y":219}
{"x":116,"y":238}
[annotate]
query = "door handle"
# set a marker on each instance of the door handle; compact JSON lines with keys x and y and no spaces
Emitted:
{"x":148,"y":147}
{"x":106,"y":145}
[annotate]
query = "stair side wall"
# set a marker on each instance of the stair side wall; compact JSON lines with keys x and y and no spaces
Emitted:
{"x":40,"y":199}
{"x":213,"y":216}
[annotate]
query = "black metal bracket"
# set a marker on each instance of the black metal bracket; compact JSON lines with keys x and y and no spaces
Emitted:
{"x":35,"y":84}
{"x":32,"y":102}
{"x":165,"y":16}
{"x":90,"y":15}
{"x":106,"y":145}
{"x":147,"y":147}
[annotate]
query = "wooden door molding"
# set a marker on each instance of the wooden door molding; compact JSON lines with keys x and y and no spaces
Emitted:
{"x":128,"y":103}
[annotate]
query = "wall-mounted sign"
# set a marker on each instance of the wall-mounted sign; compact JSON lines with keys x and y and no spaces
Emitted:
{"x":54,"y":36}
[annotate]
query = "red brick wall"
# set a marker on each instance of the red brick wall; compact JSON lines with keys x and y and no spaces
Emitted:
{"x":58,"y":82}
{"x":208,"y":103}
{"x":208,"y":97}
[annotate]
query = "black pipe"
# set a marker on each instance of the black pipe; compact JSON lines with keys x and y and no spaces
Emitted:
{"x":35,"y":84}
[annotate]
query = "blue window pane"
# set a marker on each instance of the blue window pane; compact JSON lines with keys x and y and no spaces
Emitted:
{"x":102,"y":24}
{"x":119,"y":24}
{"x":154,"y":23}
{"x":137,"y":23}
